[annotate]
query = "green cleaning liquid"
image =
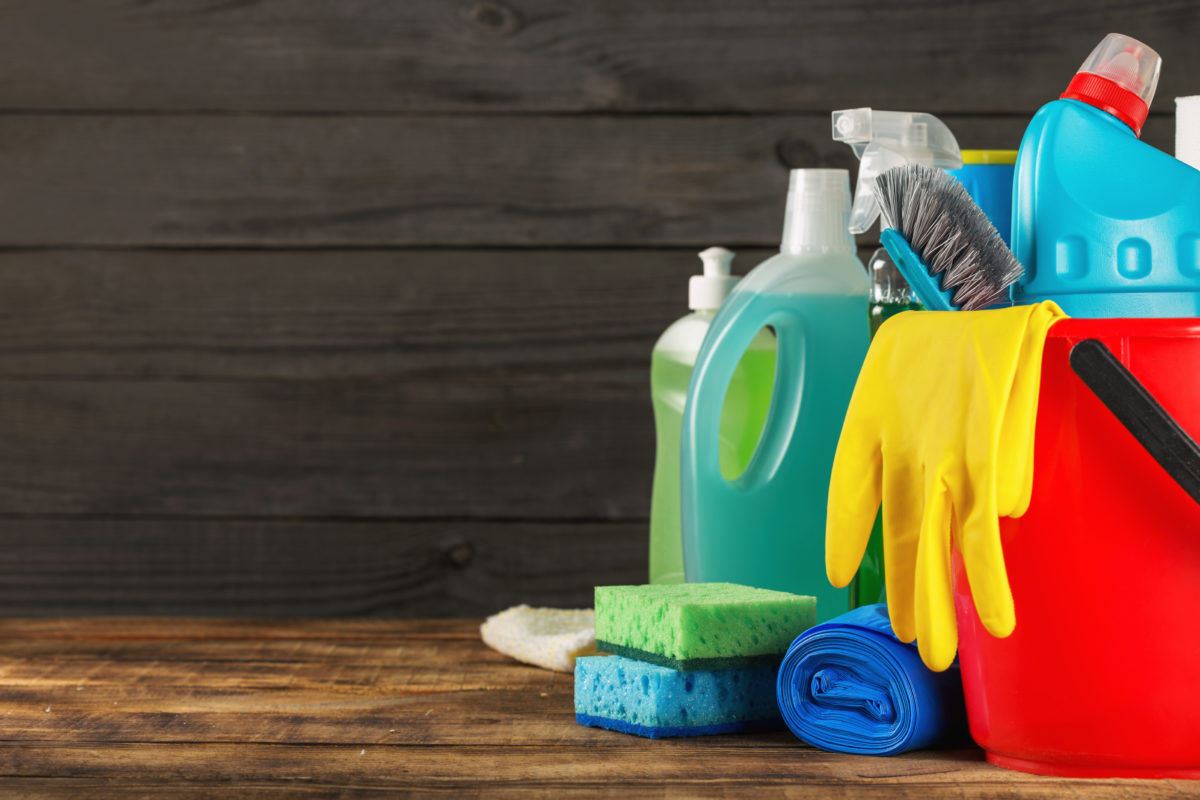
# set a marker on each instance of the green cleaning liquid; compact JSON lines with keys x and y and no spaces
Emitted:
{"x":882,"y":312}
{"x":742,"y":418}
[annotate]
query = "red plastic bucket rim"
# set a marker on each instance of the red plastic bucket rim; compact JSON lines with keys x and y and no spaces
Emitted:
{"x":1073,"y":328}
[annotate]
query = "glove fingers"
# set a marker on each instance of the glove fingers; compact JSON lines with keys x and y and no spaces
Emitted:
{"x":983,"y":553}
{"x":902,"y":509}
{"x":854,"y":494}
{"x":983,"y":557}
{"x":937,"y":630}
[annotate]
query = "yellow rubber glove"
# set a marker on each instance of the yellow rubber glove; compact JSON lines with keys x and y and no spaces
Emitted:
{"x":940,"y":428}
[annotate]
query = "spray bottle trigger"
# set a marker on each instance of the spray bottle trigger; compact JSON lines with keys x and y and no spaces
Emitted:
{"x":875,"y":160}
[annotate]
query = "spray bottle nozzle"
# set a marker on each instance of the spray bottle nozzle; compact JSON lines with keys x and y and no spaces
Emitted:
{"x":886,"y":139}
{"x":852,"y":126}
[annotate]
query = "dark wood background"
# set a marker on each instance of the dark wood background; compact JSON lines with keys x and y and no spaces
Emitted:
{"x":321,"y":308}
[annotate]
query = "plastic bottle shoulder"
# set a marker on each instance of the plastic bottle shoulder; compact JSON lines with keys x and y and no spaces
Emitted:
{"x":808,"y":273}
{"x":686,"y":334}
{"x":1144,"y":181}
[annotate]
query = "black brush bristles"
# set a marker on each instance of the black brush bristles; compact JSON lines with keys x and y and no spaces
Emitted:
{"x":950,"y":234}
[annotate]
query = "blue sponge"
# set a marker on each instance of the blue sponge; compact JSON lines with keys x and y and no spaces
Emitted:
{"x":648,"y":700}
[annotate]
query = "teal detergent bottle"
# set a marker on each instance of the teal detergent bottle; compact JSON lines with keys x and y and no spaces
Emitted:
{"x":1105,"y":224}
{"x":766,"y":527}
{"x":671,"y":364}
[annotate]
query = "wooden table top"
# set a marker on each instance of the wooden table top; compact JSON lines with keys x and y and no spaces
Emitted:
{"x":178,"y":708}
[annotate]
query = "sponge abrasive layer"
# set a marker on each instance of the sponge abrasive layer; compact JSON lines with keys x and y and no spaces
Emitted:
{"x":700,"y":625}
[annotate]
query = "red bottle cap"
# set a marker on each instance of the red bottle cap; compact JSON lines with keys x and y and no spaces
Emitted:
{"x":1109,"y":96}
{"x":1119,"y":77}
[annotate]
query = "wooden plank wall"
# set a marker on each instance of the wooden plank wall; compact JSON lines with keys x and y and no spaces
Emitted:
{"x":321,"y":308}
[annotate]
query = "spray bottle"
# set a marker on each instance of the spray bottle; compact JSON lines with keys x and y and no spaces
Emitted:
{"x":886,"y":139}
{"x":767,"y":527}
{"x":1105,"y":224}
{"x":882,"y":140}
{"x":741,"y":418}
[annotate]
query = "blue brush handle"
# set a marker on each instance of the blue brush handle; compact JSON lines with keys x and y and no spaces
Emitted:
{"x":927,"y":287}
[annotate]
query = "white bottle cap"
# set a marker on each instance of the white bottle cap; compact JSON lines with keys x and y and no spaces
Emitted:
{"x":708,"y":291}
{"x":818,"y":212}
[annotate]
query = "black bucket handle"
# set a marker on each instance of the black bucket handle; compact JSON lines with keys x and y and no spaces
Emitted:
{"x":1136,"y":409}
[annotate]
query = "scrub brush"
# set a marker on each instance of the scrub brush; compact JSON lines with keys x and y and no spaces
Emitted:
{"x":944,"y":245}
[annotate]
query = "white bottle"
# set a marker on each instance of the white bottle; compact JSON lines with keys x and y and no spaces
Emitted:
{"x":745,"y":406}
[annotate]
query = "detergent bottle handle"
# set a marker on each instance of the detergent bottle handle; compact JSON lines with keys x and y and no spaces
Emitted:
{"x":1137,"y":410}
{"x":784,"y":410}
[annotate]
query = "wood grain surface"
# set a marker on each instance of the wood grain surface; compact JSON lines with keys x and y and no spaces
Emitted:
{"x":355,"y":385}
{"x":405,"y":315}
{"x":191,"y":708}
{"x":297,"y":297}
{"x":305,"y":568}
{"x":504,"y":56}
{"x":330,"y":181}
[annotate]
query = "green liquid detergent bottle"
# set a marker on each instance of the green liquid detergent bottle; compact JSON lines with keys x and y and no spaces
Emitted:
{"x":741,"y":420}
{"x":766,"y":527}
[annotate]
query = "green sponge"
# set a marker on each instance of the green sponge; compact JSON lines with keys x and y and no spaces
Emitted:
{"x":691,"y":626}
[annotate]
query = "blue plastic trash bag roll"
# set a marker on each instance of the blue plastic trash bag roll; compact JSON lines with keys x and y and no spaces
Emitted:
{"x":850,"y":686}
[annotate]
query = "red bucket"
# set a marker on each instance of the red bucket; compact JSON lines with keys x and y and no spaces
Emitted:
{"x":1101,"y":677}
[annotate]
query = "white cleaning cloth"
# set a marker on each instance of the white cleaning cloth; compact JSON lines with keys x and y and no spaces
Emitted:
{"x":544,"y":637}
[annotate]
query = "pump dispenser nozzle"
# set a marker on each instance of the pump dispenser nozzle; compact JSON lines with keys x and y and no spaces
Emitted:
{"x":708,"y":291}
{"x":886,"y":139}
